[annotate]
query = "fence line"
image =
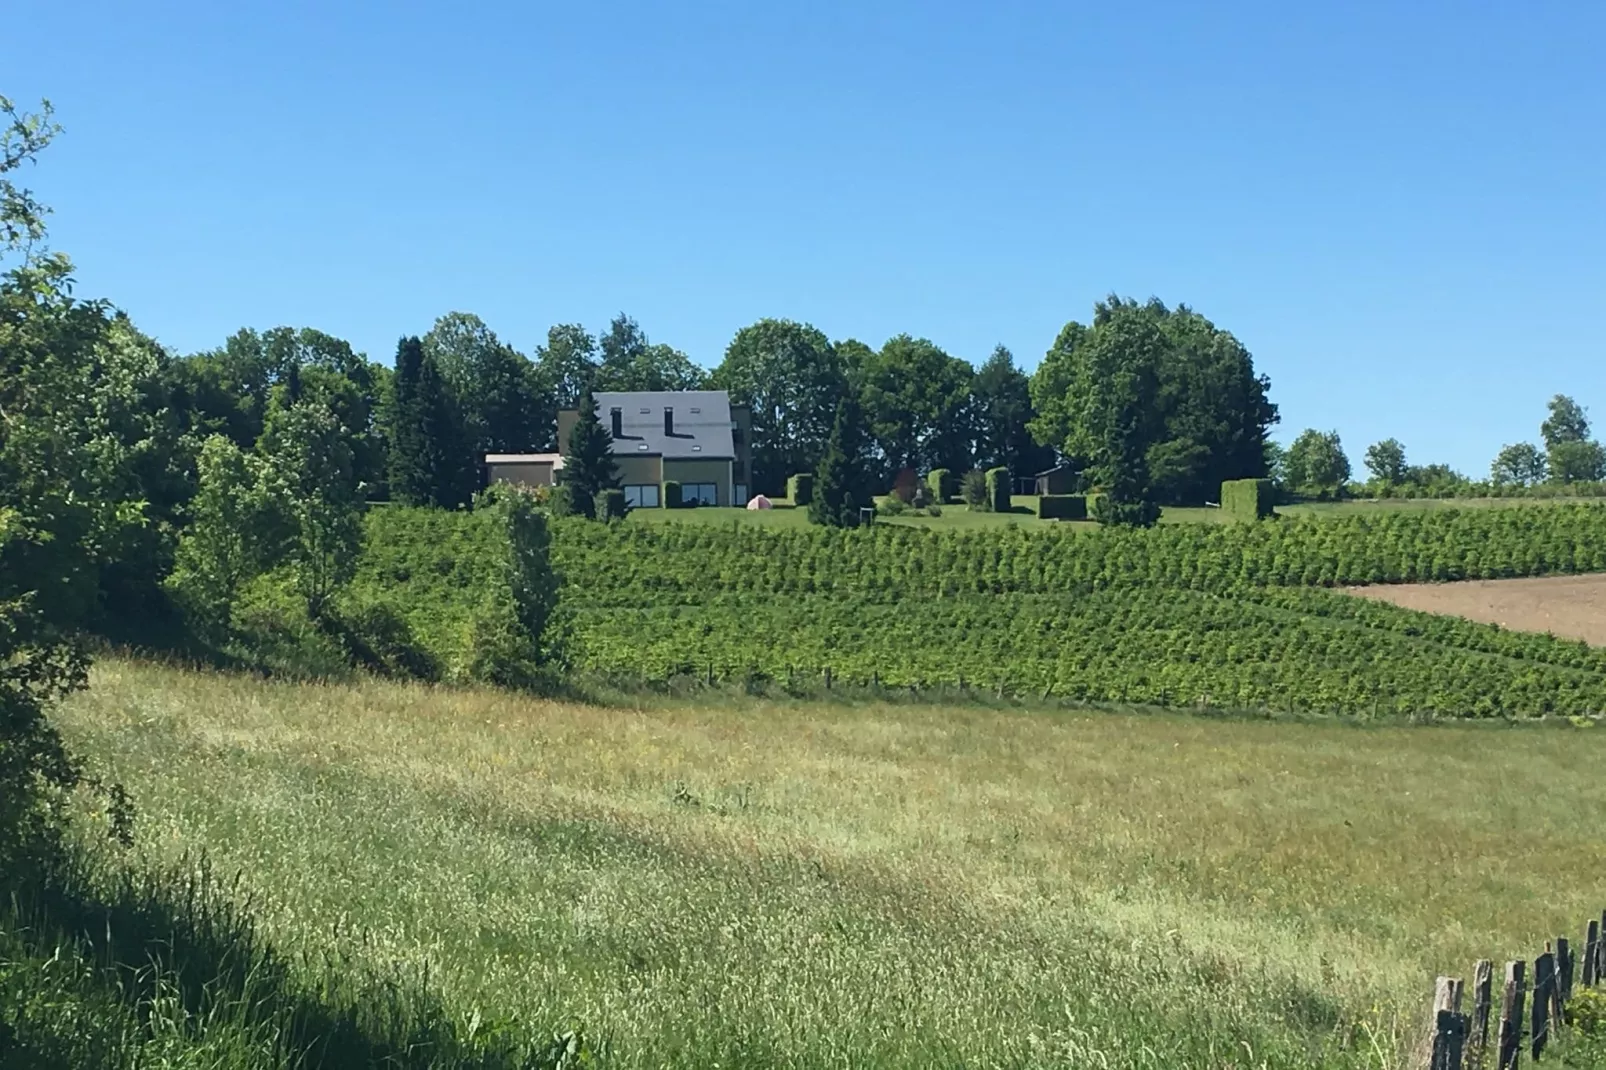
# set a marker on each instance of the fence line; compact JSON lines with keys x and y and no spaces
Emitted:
{"x":1534,"y":1013}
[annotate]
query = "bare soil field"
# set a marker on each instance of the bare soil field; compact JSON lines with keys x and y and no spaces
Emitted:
{"x":1570,"y":606}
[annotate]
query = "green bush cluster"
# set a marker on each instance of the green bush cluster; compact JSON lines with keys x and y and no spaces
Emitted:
{"x":944,"y":485}
{"x":1062,"y":507}
{"x":672,"y":499}
{"x":1248,"y":499}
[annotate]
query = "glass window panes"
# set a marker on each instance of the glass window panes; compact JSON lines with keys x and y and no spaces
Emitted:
{"x":642,"y":496}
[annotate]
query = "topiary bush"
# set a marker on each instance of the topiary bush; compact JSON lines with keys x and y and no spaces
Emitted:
{"x":1062,"y":507}
{"x":998,"y":490}
{"x":672,"y":499}
{"x":943,"y":483}
{"x":1248,"y":499}
{"x":611,"y":504}
{"x":800,"y":488}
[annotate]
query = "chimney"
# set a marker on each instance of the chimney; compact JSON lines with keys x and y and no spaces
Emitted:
{"x":669,"y":419}
{"x":618,"y":422}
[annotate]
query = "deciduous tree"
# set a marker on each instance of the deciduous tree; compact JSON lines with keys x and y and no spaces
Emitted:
{"x":1520,"y":464}
{"x":790,"y":375}
{"x":916,"y":403}
{"x":308,"y":453}
{"x":505,"y":408}
{"x":1316,"y":466}
{"x":567,"y":364}
{"x":1002,"y":418}
{"x":1386,"y":461}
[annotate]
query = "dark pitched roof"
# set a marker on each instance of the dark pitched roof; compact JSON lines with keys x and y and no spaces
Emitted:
{"x":702,"y":423}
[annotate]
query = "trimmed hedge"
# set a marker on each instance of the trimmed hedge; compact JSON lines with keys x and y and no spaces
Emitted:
{"x":944,"y":485}
{"x":672,"y":498}
{"x":800,"y":488}
{"x":998,"y":490}
{"x":611,"y":504}
{"x":1062,"y":507}
{"x":1248,"y":499}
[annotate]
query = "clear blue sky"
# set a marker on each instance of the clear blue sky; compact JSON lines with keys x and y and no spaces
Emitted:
{"x":1399,"y":207}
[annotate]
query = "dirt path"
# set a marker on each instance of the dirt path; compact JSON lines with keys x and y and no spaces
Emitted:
{"x":1571,"y":606}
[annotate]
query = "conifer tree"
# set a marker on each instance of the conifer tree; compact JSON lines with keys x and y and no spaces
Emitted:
{"x":840,"y":484}
{"x":430,"y":458}
{"x":588,"y":466}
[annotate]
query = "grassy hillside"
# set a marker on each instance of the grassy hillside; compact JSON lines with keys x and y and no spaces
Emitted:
{"x":813,"y":885}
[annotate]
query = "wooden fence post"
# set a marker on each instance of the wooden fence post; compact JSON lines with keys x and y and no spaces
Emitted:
{"x":1482,"y":982}
{"x":1600,"y":952}
{"x":1591,"y":951}
{"x":1449,"y":1026}
{"x":828,"y":677}
{"x":1511,"y":1006}
{"x":1544,"y":996}
{"x":1564,"y":978}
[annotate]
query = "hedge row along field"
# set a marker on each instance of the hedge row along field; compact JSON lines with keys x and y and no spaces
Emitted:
{"x":1229,"y":615}
{"x":634,"y":562}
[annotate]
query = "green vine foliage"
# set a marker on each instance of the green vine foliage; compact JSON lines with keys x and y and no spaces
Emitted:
{"x":1233,"y":615}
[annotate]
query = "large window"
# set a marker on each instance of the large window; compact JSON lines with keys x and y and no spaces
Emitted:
{"x":701,"y":493}
{"x":741,"y":494}
{"x":642,"y":496}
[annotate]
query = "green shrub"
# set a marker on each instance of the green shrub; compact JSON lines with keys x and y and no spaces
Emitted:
{"x":1062,"y":507}
{"x":1586,"y":1012}
{"x":973,"y":489}
{"x":943,"y":484}
{"x":1247,"y":499}
{"x":672,"y":498}
{"x":891,"y":505}
{"x":561,"y":502}
{"x":800,"y":488}
{"x":611,"y":504}
{"x":998,"y":490}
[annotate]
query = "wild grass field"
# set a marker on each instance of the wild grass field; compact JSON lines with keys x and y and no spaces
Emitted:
{"x":729,"y":882}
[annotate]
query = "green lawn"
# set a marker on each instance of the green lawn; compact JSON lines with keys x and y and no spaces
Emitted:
{"x":1025,"y":513}
{"x":770,"y":883}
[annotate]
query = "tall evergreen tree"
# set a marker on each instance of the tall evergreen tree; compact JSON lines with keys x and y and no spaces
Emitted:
{"x":430,"y":458}
{"x":410,"y":478}
{"x":840,"y":485}
{"x":588,"y":466}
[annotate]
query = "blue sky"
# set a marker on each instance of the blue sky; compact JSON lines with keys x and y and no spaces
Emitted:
{"x":1400,"y":208}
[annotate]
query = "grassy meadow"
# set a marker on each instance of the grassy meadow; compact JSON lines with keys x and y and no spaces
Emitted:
{"x":745,"y":882}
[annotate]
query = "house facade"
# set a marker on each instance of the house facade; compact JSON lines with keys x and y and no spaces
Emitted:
{"x":696,"y":438}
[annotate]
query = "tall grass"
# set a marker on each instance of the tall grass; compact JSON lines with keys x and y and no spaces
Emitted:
{"x":781,"y":883}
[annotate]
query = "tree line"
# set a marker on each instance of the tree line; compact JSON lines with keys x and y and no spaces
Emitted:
{"x":1567,"y":460}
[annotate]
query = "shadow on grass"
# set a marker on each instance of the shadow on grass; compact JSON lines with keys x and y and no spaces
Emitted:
{"x":176,"y":958}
